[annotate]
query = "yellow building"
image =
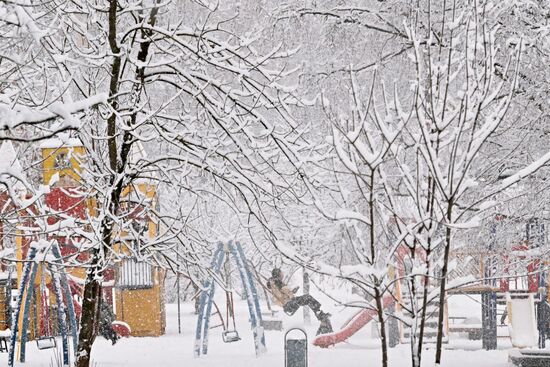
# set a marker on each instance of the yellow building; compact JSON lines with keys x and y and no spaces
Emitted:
{"x":133,"y":286}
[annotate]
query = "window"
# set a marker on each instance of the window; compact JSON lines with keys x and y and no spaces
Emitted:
{"x":536,"y":233}
{"x":62,"y":161}
{"x":135,"y":274}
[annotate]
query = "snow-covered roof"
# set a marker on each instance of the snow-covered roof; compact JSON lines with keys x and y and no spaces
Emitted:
{"x":10,"y":165}
{"x":137,"y":152}
{"x":135,"y":157}
{"x":8,"y":157}
{"x":60,"y":142}
{"x":405,"y":207}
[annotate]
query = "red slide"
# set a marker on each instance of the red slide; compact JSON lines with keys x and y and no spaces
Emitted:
{"x":351,"y":327}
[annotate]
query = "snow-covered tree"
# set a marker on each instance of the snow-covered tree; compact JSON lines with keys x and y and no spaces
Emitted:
{"x":185,"y":103}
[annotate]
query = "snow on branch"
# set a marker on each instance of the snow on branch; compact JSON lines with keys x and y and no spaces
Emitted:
{"x":13,"y":116}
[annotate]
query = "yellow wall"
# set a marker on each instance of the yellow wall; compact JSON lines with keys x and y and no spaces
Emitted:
{"x":76,"y":154}
{"x":19,"y":257}
{"x":3,"y":313}
{"x":143,"y":309}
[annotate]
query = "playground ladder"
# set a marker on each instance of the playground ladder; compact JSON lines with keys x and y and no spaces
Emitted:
{"x":432,"y":316}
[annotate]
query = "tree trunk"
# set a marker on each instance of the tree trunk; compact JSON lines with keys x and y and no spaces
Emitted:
{"x":90,"y":310}
{"x":382,"y":322}
{"x":92,"y":287}
{"x":415,"y":337}
{"x":442,"y":292}
{"x":426,"y":286}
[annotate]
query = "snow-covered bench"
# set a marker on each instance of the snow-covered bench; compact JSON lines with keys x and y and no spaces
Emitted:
{"x":270,"y":321}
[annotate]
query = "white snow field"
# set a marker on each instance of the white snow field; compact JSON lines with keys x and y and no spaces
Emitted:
{"x":173,"y":349}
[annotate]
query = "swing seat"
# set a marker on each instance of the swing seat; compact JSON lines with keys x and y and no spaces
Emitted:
{"x":46,"y":342}
{"x":230,"y":336}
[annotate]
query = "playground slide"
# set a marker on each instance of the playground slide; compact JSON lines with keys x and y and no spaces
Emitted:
{"x":351,"y":327}
{"x":522,"y":322}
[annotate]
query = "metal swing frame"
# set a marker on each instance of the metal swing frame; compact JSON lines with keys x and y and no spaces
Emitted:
{"x":47,"y":341}
{"x":234,"y":251}
{"x":20,"y":320}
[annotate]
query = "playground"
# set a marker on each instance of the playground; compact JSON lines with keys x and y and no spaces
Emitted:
{"x":241,"y":316}
{"x":173,"y":349}
{"x":232,"y":335}
{"x":495,"y":311}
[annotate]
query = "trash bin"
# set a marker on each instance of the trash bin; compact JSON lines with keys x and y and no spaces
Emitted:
{"x":295,"y":348}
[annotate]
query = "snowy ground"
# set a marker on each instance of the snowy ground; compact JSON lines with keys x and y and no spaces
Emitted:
{"x":174,"y":349}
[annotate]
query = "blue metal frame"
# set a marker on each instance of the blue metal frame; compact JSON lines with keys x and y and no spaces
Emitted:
{"x":68,"y":298}
{"x":26,"y":319}
{"x":208,"y":311}
{"x":15,"y":319}
{"x":207,"y":298}
{"x":61,"y":289}
{"x":60,"y":314}
{"x":253,"y":301}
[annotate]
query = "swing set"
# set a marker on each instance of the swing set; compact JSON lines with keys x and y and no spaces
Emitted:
{"x":222,"y":256}
{"x":229,"y":333}
{"x":40,"y":259}
{"x":46,"y":340}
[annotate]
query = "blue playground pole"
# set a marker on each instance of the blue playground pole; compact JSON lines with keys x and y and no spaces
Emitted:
{"x":207,"y":297}
{"x":60,"y":314}
{"x":202,"y":303}
{"x":27,"y":282}
{"x":205,"y":304}
{"x":26,"y":317}
{"x":16,"y":314}
{"x":200,"y":321}
{"x":259,"y":338}
{"x":221,"y":257}
{"x":68,"y":298}
{"x":255,"y":297}
{"x":252,"y":286}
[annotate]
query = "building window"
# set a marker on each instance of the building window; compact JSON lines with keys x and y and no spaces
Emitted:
{"x":134,"y":274}
{"x":62,"y":161}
